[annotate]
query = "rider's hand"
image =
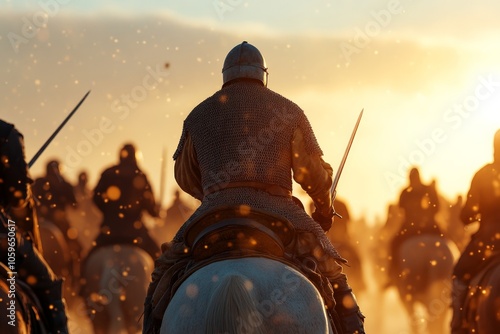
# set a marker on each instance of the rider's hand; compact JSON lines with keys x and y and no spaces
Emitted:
{"x":324,"y":221}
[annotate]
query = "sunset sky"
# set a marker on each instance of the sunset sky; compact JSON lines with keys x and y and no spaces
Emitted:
{"x":426,"y":73}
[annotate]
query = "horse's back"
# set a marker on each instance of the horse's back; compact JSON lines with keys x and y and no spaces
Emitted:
{"x":117,"y":278}
{"x":123,"y":254}
{"x":124,"y":264}
{"x":425,"y":266}
{"x":425,"y":258}
{"x":55,"y":248}
{"x":267,"y":296}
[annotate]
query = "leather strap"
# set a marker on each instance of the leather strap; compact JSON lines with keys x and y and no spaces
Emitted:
{"x":271,"y":189}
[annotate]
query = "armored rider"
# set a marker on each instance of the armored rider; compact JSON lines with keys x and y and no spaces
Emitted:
{"x":17,"y":207}
{"x":239,"y":148}
{"x":483,"y":206}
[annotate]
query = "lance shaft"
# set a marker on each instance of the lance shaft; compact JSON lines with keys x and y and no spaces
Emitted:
{"x":40,"y":151}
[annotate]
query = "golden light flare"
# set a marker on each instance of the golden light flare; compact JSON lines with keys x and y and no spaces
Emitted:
{"x":31,"y":280}
{"x":223,"y":98}
{"x":248,"y":285}
{"x":348,"y":302}
{"x":244,"y":210}
{"x":123,"y":154}
{"x":139,"y":182}
{"x":424,"y":204}
{"x":192,"y":291}
{"x":72,"y":233}
{"x":113,"y":193}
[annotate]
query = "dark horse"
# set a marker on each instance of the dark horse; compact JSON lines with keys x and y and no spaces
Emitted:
{"x":482,"y":305}
{"x":56,"y":252}
{"x":425,"y":264}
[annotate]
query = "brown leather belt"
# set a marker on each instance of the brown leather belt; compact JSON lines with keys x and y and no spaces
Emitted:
{"x":271,"y":189}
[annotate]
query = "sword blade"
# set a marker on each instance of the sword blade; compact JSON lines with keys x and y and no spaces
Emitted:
{"x":344,"y":158}
{"x":40,"y":151}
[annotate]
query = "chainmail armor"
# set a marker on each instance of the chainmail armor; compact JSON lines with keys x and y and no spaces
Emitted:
{"x":244,"y":133}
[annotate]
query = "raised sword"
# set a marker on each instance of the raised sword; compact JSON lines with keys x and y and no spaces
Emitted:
{"x":333,"y":189}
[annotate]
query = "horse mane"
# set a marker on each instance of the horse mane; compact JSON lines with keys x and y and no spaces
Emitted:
{"x":232,"y":308}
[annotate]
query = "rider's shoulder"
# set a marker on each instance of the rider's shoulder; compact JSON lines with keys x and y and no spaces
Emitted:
{"x":487,"y":170}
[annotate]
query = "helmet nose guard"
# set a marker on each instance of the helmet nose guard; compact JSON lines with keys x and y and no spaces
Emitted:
{"x":244,"y":61}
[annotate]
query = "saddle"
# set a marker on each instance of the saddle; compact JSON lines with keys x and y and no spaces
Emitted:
{"x":229,"y":232}
{"x":231,"y":228}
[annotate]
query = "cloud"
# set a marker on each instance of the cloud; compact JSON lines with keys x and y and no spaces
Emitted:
{"x":112,"y":55}
{"x":112,"y":50}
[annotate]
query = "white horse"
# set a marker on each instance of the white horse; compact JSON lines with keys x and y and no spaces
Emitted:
{"x":425,"y":265}
{"x":55,"y":249}
{"x":56,"y":252}
{"x":117,"y":278}
{"x":246,"y":295}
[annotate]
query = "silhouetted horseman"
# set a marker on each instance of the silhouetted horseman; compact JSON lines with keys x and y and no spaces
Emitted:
{"x":482,"y":205}
{"x":15,"y":190}
{"x":122,"y":194}
{"x":16,"y":203}
{"x":54,"y":196}
{"x":420,"y":204}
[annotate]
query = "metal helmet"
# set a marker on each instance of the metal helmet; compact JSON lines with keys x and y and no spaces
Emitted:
{"x":244,"y":61}
{"x":128,"y":154}
{"x":53,"y":168}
